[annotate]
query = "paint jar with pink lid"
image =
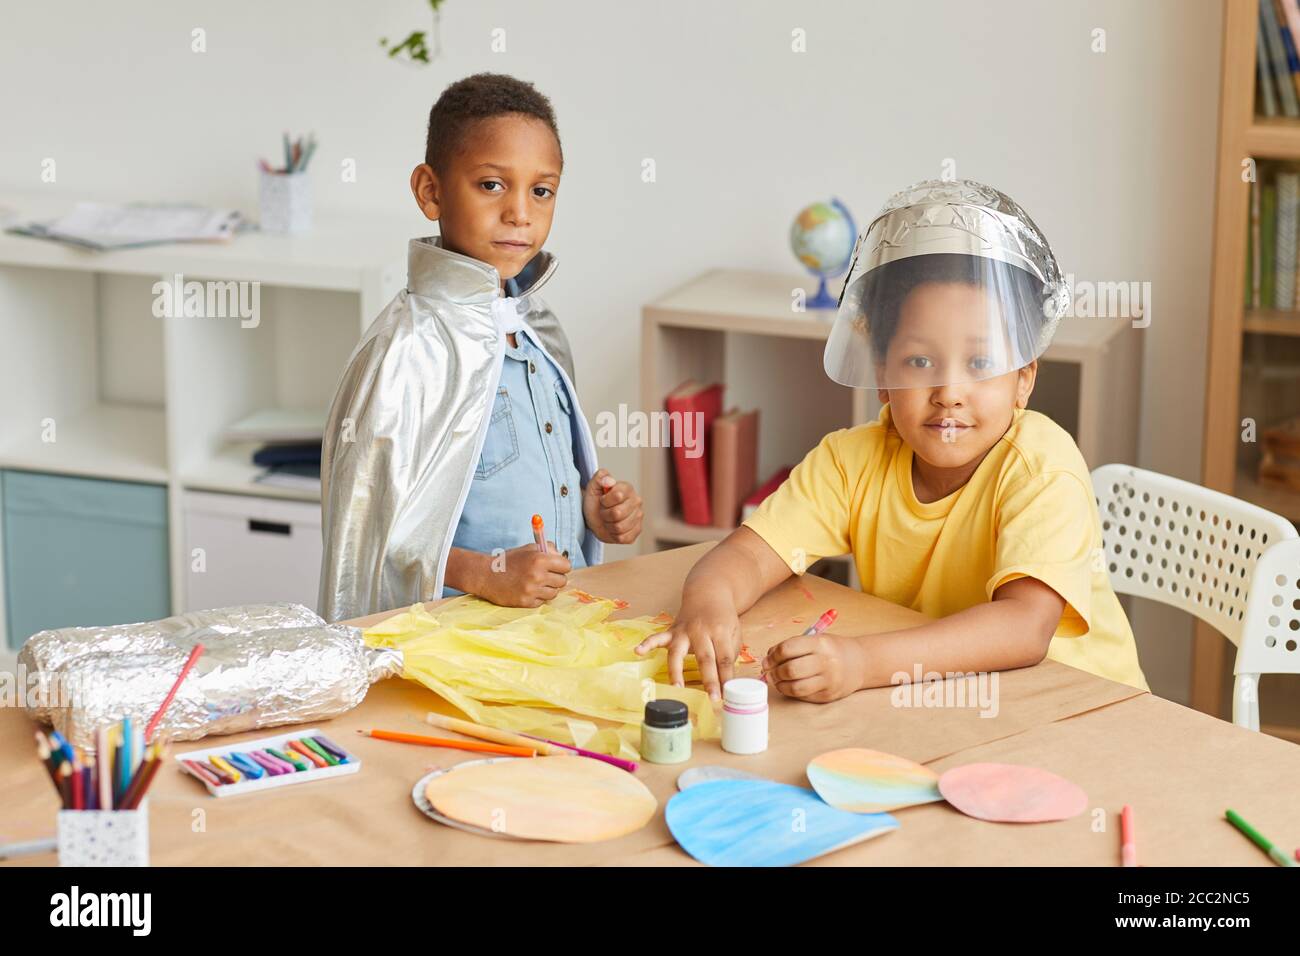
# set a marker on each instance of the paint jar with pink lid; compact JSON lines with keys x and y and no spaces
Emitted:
{"x":744,"y":716}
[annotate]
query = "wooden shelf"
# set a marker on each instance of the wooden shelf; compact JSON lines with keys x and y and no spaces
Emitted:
{"x":1271,"y":321}
{"x":1274,"y":137}
{"x":1241,"y":134}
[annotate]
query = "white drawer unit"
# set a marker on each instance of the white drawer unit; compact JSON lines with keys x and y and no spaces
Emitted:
{"x":241,"y":549}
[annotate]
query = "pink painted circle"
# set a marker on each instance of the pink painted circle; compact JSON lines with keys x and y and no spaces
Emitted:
{"x":1010,"y":793}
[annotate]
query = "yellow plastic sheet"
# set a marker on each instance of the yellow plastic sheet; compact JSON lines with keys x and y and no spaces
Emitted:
{"x":553,"y":671}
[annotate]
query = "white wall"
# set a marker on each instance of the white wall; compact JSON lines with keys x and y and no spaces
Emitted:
{"x":1113,"y":153}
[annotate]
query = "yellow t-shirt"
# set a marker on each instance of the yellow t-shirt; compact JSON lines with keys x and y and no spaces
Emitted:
{"x":1027,"y":511}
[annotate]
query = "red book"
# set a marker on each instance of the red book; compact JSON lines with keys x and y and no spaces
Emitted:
{"x":753,"y":501}
{"x":692,"y":408}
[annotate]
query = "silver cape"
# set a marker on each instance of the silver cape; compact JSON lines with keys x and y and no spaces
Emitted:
{"x":407,"y":425}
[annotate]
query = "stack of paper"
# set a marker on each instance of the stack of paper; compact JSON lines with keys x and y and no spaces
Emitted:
{"x":105,"y":226}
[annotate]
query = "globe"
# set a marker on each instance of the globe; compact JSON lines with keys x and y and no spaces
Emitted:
{"x":822,"y":237}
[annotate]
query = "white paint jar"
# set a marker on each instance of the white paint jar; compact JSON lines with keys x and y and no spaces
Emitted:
{"x":744,"y":716}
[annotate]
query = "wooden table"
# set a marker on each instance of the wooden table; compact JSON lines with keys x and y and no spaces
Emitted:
{"x":1178,"y":768}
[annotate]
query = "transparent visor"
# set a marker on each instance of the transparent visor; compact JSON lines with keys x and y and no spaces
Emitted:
{"x":937,"y":319}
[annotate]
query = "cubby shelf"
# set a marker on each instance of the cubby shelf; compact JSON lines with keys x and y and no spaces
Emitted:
{"x":127,"y":396}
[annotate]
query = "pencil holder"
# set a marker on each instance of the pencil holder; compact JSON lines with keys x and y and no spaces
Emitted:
{"x":104,"y":837}
{"x":285,"y":203}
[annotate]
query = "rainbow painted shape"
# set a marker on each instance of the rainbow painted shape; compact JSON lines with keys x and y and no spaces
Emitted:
{"x":870,"y":781}
{"x":750,"y":823}
{"x":1010,"y":793}
{"x":561,"y":799}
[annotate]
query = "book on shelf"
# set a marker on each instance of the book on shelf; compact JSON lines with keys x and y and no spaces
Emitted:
{"x":1275,"y":50}
{"x":766,"y":488}
{"x":733,"y":468}
{"x":1288,"y":192}
{"x":692,"y":408}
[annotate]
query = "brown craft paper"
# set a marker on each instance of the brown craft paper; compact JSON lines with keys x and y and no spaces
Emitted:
{"x":369,"y":818}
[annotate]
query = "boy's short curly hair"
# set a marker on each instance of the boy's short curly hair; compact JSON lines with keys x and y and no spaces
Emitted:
{"x":476,"y":98}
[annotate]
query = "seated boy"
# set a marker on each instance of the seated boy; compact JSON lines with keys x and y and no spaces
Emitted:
{"x":958,"y":502}
{"x":456,"y":420}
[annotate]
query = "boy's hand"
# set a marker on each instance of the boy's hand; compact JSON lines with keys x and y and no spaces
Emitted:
{"x":710,"y":629}
{"x":524,"y":577}
{"x":612,"y":509}
{"x":818,"y":668}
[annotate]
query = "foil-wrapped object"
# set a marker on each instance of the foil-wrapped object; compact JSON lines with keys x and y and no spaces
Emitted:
{"x":262,"y":666}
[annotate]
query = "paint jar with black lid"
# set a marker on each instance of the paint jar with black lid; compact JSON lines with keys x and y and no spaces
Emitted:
{"x":666,"y":732}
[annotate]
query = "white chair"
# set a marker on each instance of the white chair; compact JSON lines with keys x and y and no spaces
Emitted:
{"x":1272,"y":627}
{"x":1178,"y":543}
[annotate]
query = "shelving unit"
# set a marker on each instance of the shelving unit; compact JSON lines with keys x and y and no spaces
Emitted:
{"x":739,"y":328}
{"x":1225,"y":458}
{"x":126,"y":396}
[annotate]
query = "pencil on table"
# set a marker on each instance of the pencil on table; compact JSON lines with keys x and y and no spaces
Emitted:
{"x":195,"y":654}
{"x":505,"y":737}
{"x":471,"y":745}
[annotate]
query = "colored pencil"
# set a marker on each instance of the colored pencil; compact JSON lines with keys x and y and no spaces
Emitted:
{"x":65,"y":784}
{"x":171,"y":694}
{"x":47,"y":757}
{"x":104,"y":766}
{"x":129,"y":791}
{"x":505,"y":737}
{"x":628,"y":765}
{"x":1128,"y":850}
{"x":148,"y":771}
{"x":471,"y":745}
{"x":78,"y":796}
{"x":1261,"y":841}
{"x":127,"y":767}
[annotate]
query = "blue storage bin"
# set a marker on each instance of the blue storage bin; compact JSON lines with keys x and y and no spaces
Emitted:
{"x":81,"y":551}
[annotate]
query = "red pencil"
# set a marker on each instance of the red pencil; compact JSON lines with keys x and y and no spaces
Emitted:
{"x":145,"y":778}
{"x":167,"y":701}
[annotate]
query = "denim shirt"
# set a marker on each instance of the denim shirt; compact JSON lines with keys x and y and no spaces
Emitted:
{"x":528,"y":465}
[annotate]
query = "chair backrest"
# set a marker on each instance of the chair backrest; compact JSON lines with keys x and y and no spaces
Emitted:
{"x":1181,"y":544}
{"x":1271,"y":640}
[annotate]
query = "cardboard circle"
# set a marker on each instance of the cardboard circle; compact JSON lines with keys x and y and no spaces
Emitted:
{"x":1011,"y":793}
{"x":871,"y":781}
{"x":560,"y":799}
{"x":752,"y":823}
{"x":694,"y":776}
{"x":422,"y":802}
